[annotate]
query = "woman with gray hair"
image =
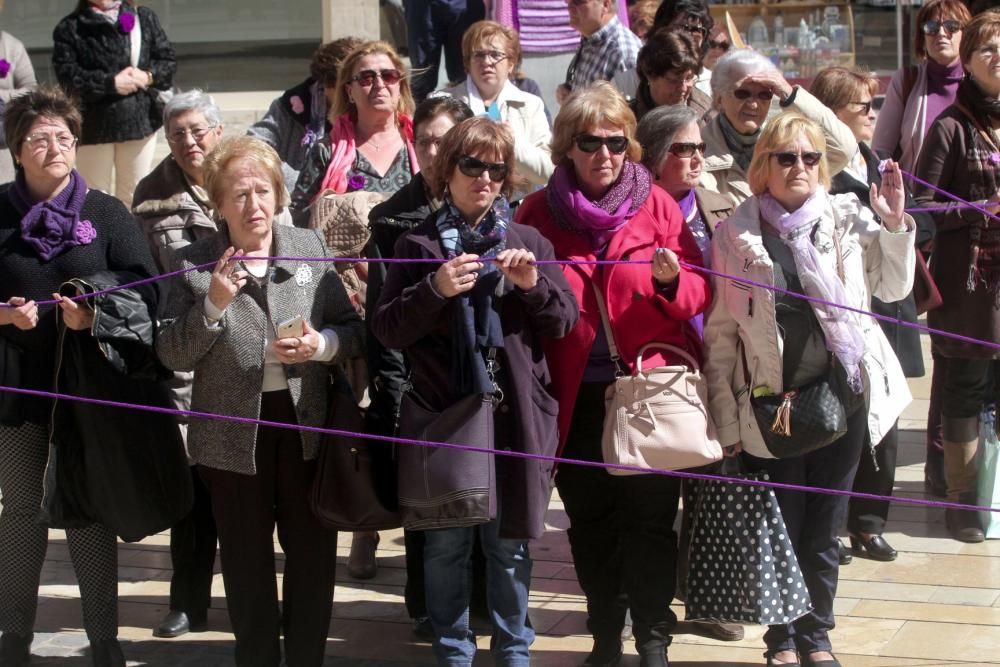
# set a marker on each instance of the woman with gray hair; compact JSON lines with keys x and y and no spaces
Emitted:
{"x":744,"y":83}
{"x":172,"y":207}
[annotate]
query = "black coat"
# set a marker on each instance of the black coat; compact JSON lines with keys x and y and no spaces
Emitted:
{"x":904,"y":340}
{"x":88,"y":51}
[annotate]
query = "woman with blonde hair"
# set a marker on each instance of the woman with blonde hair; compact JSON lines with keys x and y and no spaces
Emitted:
{"x":793,"y":235}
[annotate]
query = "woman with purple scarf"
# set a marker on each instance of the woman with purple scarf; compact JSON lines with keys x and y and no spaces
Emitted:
{"x":601,"y":204}
{"x":52,"y":228}
{"x":793,"y":235}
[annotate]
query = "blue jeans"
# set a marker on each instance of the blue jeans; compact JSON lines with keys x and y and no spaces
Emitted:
{"x":508,"y":577}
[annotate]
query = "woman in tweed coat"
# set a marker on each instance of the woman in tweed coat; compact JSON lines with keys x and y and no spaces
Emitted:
{"x":223,"y":323}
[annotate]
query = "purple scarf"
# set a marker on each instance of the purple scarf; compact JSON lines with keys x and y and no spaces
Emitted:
{"x":601,"y":219}
{"x":54,"y":226}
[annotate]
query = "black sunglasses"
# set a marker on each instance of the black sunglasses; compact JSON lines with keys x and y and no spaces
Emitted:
{"x":695,"y":29}
{"x":724,"y":45}
{"x":866,"y":107}
{"x":951,"y":26}
{"x":687,"y":149}
{"x":588,"y":143}
{"x":744,"y":94}
{"x":474,"y":168}
{"x":809,"y":158}
{"x":366,"y":77}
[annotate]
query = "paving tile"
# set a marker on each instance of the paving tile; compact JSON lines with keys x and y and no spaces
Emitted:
{"x":945,"y":641}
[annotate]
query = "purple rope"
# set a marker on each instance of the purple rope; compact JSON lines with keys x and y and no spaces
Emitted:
{"x":467,"y":448}
{"x":965,"y":204}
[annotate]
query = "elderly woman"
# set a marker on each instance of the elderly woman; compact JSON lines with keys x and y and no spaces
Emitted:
{"x":116,"y":58}
{"x":849,"y":93}
{"x":744,"y":82}
{"x":172,"y":206}
{"x":487,"y":296}
{"x":491,"y":53}
{"x":370,"y":146}
{"x":795,"y":236}
{"x":52,"y":228}
{"x":957,"y":156}
{"x":668,"y":68}
{"x":260,"y":335}
{"x":601,"y":204}
{"x":299,"y":117}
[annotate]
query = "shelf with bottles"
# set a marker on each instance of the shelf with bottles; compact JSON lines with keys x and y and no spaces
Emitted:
{"x":801,"y":38}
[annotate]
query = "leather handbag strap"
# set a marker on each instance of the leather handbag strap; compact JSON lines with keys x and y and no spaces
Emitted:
{"x":606,"y":320}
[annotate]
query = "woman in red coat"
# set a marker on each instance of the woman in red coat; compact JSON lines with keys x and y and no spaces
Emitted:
{"x":599,"y":204}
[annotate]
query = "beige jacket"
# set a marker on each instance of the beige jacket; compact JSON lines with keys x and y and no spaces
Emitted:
{"x":876,"y":262}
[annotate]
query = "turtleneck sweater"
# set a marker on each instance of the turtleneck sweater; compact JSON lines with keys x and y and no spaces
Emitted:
{"x":942,"y":87}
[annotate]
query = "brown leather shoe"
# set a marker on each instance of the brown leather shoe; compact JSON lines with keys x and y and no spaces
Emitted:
{"x":723,"y":632}
{"x":361,"y":561}
{"x":964,"y":525}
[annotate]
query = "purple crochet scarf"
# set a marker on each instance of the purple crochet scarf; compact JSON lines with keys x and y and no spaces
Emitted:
{"x":52,"y":227}
{"x":601,"y":219}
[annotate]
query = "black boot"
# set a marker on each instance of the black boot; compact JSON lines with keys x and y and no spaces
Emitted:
{"x":15,"y":650}
{"x":107,"y":653}
{"x":654,"y":658}
{"x":606,"y":653}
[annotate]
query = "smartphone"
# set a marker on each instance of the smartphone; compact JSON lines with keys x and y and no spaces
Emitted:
{"x":293,"y":328}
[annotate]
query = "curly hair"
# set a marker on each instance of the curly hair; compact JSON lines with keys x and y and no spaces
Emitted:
{"x":327,"y":58}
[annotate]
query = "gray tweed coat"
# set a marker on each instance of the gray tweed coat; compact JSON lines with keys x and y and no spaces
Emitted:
{"x":228,"y":360}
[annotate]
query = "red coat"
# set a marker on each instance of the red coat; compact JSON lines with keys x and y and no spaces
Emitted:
{"x":640,"y":311}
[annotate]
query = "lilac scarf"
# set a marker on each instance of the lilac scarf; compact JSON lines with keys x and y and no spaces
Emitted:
{"x":601,"y":219}
{"x":54,"y":226}
{"x":841,"y":328}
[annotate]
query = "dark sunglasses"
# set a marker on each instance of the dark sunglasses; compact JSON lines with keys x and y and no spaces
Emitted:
{"x":366,"y":77}
{"x":951,"y":26}
{"x":809,"y":158}
{"x":474,"y":168}
{"x":695,"y":29}
{"x":687,"y":149}
{"x":724,"y":45}
{"x":866,"y":107}
{"x":588,"y":143}
{"x":743,"y":94}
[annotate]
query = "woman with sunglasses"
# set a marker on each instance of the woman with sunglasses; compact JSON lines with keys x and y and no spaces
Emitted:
{"x":668,"y":67}
{"x":600,"y":204}
{"x":961,"y":155}
{"x":471,"y":292}
{"x":744,"y":83}
{"x":718,"y":45}
{"x":918,"y":94}
{"x":793,"y":235}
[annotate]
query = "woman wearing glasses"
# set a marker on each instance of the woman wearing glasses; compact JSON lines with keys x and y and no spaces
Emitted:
{"x":744,"y":83}
{"x":484,"y":295}
{"x":668,"y":67}
{"x":718,"y":45}
{"x":491,"y":53}
{"x":601,"y":204}
{"x":795,"y":236}
{"x":961,"y":155}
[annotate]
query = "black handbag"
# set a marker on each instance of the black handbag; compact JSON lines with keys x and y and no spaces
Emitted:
{"x":10,"y":376}
{"x":355,"y":484}
{"x":441,"y":487}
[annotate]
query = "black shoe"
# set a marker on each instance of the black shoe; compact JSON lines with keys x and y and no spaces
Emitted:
{"x":15,"y":650}
{"x":771,"y":662}
{"x":964,"y":525}
{"x":654,"y":659}
{"x":107,"y":653}
{"x":875,"y":546}
{"x":934,"y":482}
{"x":723,"y":632}
{"x":807,"y":662}
{"x":174,"y":624}
{"x":845,"y":556}
{"x":423,"y":629}
{"x":604,"y":654}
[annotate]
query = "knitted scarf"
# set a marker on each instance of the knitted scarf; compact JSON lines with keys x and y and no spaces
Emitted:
{"x":52,"y":227}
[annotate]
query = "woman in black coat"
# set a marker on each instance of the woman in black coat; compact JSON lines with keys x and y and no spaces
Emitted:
{"x":116,"y":58}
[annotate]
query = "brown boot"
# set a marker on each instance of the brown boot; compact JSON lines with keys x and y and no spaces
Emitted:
{"x":961,"y":439}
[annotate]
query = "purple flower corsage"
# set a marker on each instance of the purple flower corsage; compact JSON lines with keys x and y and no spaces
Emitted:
{"x":84,"y":232}
{"x":356,"y":182}
{"x":4,"y":68}
{"x":994,"y":158}
{"x":297,"y":105}
{"x":126,"y":21}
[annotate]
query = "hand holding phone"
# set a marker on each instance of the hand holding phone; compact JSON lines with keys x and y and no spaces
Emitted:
{"x":293,"y":328}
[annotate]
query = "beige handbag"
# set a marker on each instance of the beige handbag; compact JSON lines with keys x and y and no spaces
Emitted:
{"x":657,"y":419}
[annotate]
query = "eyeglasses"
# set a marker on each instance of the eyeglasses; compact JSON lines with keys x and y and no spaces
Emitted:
{"x":474,"y":168}
{"x":951,"y":26}
{"x":743,"y":95}
{"x":865,"y":107}
{"x":677,"y":78}
{"x":366,"y":77}
{"x":687,"y":149}
{"x":588,"y":143}
{"x":694,"y":29}
{"x":42,"y":141}
{"x":492,"y":55}
{"x":197,"y":134}
{"x":723,"y":45}
{"x":988,"y":52}
{"x":809,"y":158}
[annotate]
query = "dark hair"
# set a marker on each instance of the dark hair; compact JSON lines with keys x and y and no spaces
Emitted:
{"x":696,"y":9}
{"x":45,"y":101}
{"x":469,"y":137}
{"x":940,"y":10}
{"x":432,"y":107}
{"x":83,"y":4}
{"x":667,"y":51}
{"x":327,"y":58}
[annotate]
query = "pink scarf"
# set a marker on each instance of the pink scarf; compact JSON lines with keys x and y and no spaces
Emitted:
{"x":344,"y":150}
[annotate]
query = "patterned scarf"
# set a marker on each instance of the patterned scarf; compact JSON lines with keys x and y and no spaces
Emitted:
{"x":52,"y":227}
{"x":476,"y":328}
{"x":741,"y":145}
{"x":599,"y":220}
{"x":983,"y":161}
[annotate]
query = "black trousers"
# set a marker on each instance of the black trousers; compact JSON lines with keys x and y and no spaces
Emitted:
{"x":435,"y":26}
{"x":967,"y":385}
{"x":247,"y":507}
{"x":813,"y":521}
{"x":869,"y":516}
{"x":621,"y":534}
{"x":192,"y":555}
